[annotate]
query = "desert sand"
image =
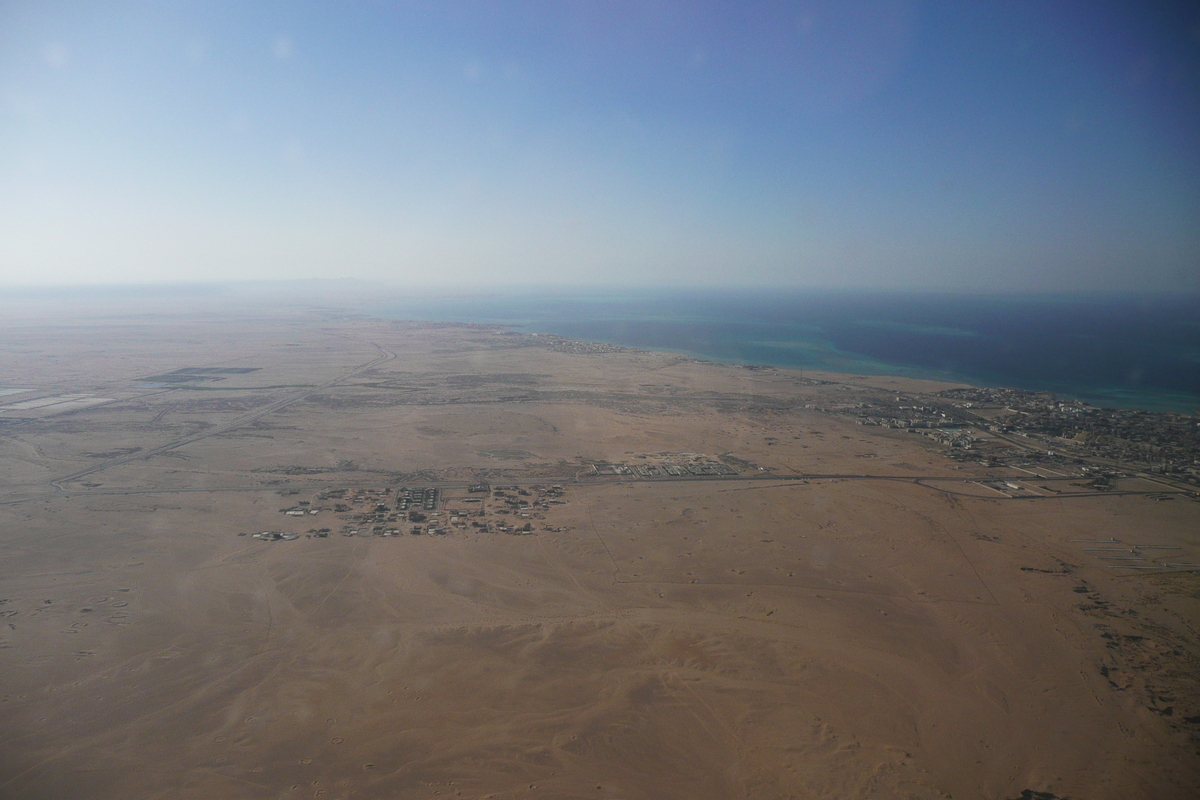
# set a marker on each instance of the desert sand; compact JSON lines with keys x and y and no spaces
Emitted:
{"x":851,"y":614}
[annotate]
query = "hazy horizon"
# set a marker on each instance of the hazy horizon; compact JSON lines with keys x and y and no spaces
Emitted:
{"x":351,"y":286}
{"x":870,"y":145}
{"x":1125,"y":350}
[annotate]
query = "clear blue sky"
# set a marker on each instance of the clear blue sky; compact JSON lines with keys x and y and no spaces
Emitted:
{"x":964,"y":145}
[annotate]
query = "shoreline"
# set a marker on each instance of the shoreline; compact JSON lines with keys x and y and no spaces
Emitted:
{"x":1084,"y":359}
{"x":1073,"y":354}
{"x":1186,"y":405}
{"x":896,"y":372}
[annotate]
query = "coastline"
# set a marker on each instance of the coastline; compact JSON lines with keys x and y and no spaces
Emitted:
{"x":1114,"y":399}
{"x":1109,"y":372}
{"x":1119,"y":352}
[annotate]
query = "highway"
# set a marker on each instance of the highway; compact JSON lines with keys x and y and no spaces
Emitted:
{"x":58,"y":484}
{"x":586,"y":480}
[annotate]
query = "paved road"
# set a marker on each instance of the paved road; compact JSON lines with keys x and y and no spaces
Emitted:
{"x":393,"y":481}
{"x":386,"y":355}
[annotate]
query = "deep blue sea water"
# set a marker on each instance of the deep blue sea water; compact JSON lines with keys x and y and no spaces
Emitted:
{"x":1125,"y":352}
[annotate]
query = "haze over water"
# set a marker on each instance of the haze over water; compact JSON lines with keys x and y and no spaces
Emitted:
{"x":1124,"y":352}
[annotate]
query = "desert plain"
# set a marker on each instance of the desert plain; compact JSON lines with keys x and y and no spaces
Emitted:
{"x":801,"y":607}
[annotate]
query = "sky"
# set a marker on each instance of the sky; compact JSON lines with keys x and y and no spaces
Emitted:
{"x":985,"y":146}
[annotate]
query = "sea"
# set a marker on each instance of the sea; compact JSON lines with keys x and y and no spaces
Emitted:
{"x":1138,"y":352}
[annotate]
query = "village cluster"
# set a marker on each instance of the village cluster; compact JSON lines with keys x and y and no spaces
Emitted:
{"x":663,"y":465}
{"x":416,"y":511}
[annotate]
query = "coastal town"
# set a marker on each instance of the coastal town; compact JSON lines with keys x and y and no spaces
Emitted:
{"x":1003,"y":427}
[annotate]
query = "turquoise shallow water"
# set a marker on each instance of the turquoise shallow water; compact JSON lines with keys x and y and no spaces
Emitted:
{"x":1125,"y":352}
